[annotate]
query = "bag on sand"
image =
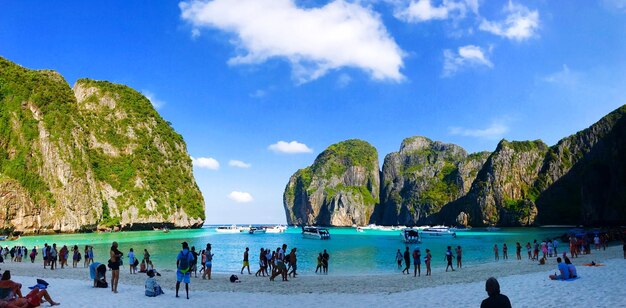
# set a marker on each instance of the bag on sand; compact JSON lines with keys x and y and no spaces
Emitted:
{"x":101,"y":284}
{"x":234,"y":278}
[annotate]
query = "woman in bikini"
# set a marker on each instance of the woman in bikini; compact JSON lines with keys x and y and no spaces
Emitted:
{"x":427,"y":261}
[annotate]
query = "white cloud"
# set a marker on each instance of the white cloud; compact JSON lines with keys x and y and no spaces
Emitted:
{"x":206,"y":163}
{"x":520,"y":23}
{"x":240,"y":197}
{"x":258,"y":94}
{"x":314,"y":40}
{"x":156,"y":103}
{"x":565,"y":77}
{"x":469,"y":55}
{"x":293,"y":147}
{"x":423,"y":10}
{"x":495,"y":131}
{"x":238,"y":164}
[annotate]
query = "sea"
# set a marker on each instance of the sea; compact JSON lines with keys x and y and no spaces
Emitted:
{"x":351,"y":252}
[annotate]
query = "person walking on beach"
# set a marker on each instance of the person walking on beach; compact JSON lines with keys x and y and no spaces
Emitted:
{"x":417,"y":262}
{"x":459,"y":254}
{"x":495,"y":299}
{"x":399,"y":258}
{"x":246,"y":263}
{"x":449,"y":257}
{"x":505,"y":251}
{"x":33,"y":254}
{"x":518,"y":250}
{"x":183,"y":265}
{"x":495,"y":251}
{"x":262,"y":264}
{"x":114,"y":264}
{"x":407,"y":260}
{"x":63,"y":256}
{"x":325,"y":259}
{"x":146,"y":255}
{"x":131,"y":261}
{"x":209,"y":263}
{"x":293,"y":260}
{"x":427,"y":261}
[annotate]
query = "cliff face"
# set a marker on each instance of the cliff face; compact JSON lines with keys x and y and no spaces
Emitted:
{"x":96,"y":156}
{"x":499,"y":191}
{"x":583,"y":180}
{"x":580,"y":180}
{"x":421,"y":178}
{"x":339,"y":189}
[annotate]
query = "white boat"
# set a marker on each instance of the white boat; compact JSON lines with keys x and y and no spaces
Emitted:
{"x":410,"y":236}
{"x":438,"y":232}
{"x":460,"y":229}
{"x":359,"y":229}
{"x":275,"y":229}
{"x":228,"y":229}
{"x":492,"y":228}
{"x":315,"y":233}
{"x":257,"y":230}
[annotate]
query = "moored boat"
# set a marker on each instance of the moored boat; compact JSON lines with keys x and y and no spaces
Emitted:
{"x":315,"y":233}
{"x":228,"y":229}
{"x":256,"y":230}
{"x":492,"y":228}
{"x":275,"y":229}
{"x":410,"y":235}
{"x":438,"y":232}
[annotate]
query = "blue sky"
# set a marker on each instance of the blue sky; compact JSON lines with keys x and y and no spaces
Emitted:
{"x":258,"y":88}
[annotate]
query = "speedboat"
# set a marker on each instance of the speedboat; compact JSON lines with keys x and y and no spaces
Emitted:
{"x":410,"y":236}
{"x":460,"y":229}
{"x":359,"y":229}
{"x":275,"y":229}
{"x":315,"y":233}
{"x":228,"y":229}
{"x":438,"y":232}
{"x":256,"y":230}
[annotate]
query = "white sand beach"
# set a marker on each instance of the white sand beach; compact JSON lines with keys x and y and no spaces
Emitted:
{"x":524,"y":282}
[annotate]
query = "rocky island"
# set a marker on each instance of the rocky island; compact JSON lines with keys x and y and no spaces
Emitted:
{"x":580,"y":180}
{"x":97,"y":155}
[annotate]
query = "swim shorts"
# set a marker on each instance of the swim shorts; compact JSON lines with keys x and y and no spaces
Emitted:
{"x":180,"y":277}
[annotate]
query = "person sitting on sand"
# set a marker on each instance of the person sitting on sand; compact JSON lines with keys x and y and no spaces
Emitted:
{"x":542,"y":261}
{"x":142,"y":266}
{"x":152,"y":286}
{"x":571,"y":268}
{"x":495,"y":299}
{"x":562,"y":269}
{"x":13,"y":298}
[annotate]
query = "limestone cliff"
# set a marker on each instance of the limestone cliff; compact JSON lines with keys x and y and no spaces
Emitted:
{"x":339,"y":189}
{"x":421,"y":178}
{"x":96,"y":156}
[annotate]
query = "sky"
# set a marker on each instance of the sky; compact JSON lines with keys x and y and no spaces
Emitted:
{"x":258,"y":88}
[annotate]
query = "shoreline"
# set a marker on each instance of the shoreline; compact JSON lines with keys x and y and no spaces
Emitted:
{"x":392,"y":282}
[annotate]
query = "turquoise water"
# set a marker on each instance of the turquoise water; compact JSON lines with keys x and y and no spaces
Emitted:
{"x":371,"y":251}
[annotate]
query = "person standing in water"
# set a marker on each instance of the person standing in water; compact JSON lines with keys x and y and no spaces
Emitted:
{"x":459,"y":254}
{"x":449,"y":257}
{"x":427,"y":261}
{"x":407,"y":260}
{"x":399,"y":258}
{"x":114,"y":264}
{"x":246,"y":262}
{"x":505,"y":251}
{"x":325,"y":260}
{"x":518,"y":250}
{"x":495,"y":251}
{"x":417,"y":262}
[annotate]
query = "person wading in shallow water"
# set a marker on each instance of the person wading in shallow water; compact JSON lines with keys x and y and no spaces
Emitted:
{"x":407,"y":260}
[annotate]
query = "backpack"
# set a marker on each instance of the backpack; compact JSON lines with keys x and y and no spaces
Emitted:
{"x":183,"y":265}
{"x":79,"y":256}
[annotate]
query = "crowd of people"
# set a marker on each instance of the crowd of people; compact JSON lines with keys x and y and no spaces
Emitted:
{"x":416,"y":257}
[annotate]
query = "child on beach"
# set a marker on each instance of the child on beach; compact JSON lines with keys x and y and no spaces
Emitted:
{"x":427,"y":261}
